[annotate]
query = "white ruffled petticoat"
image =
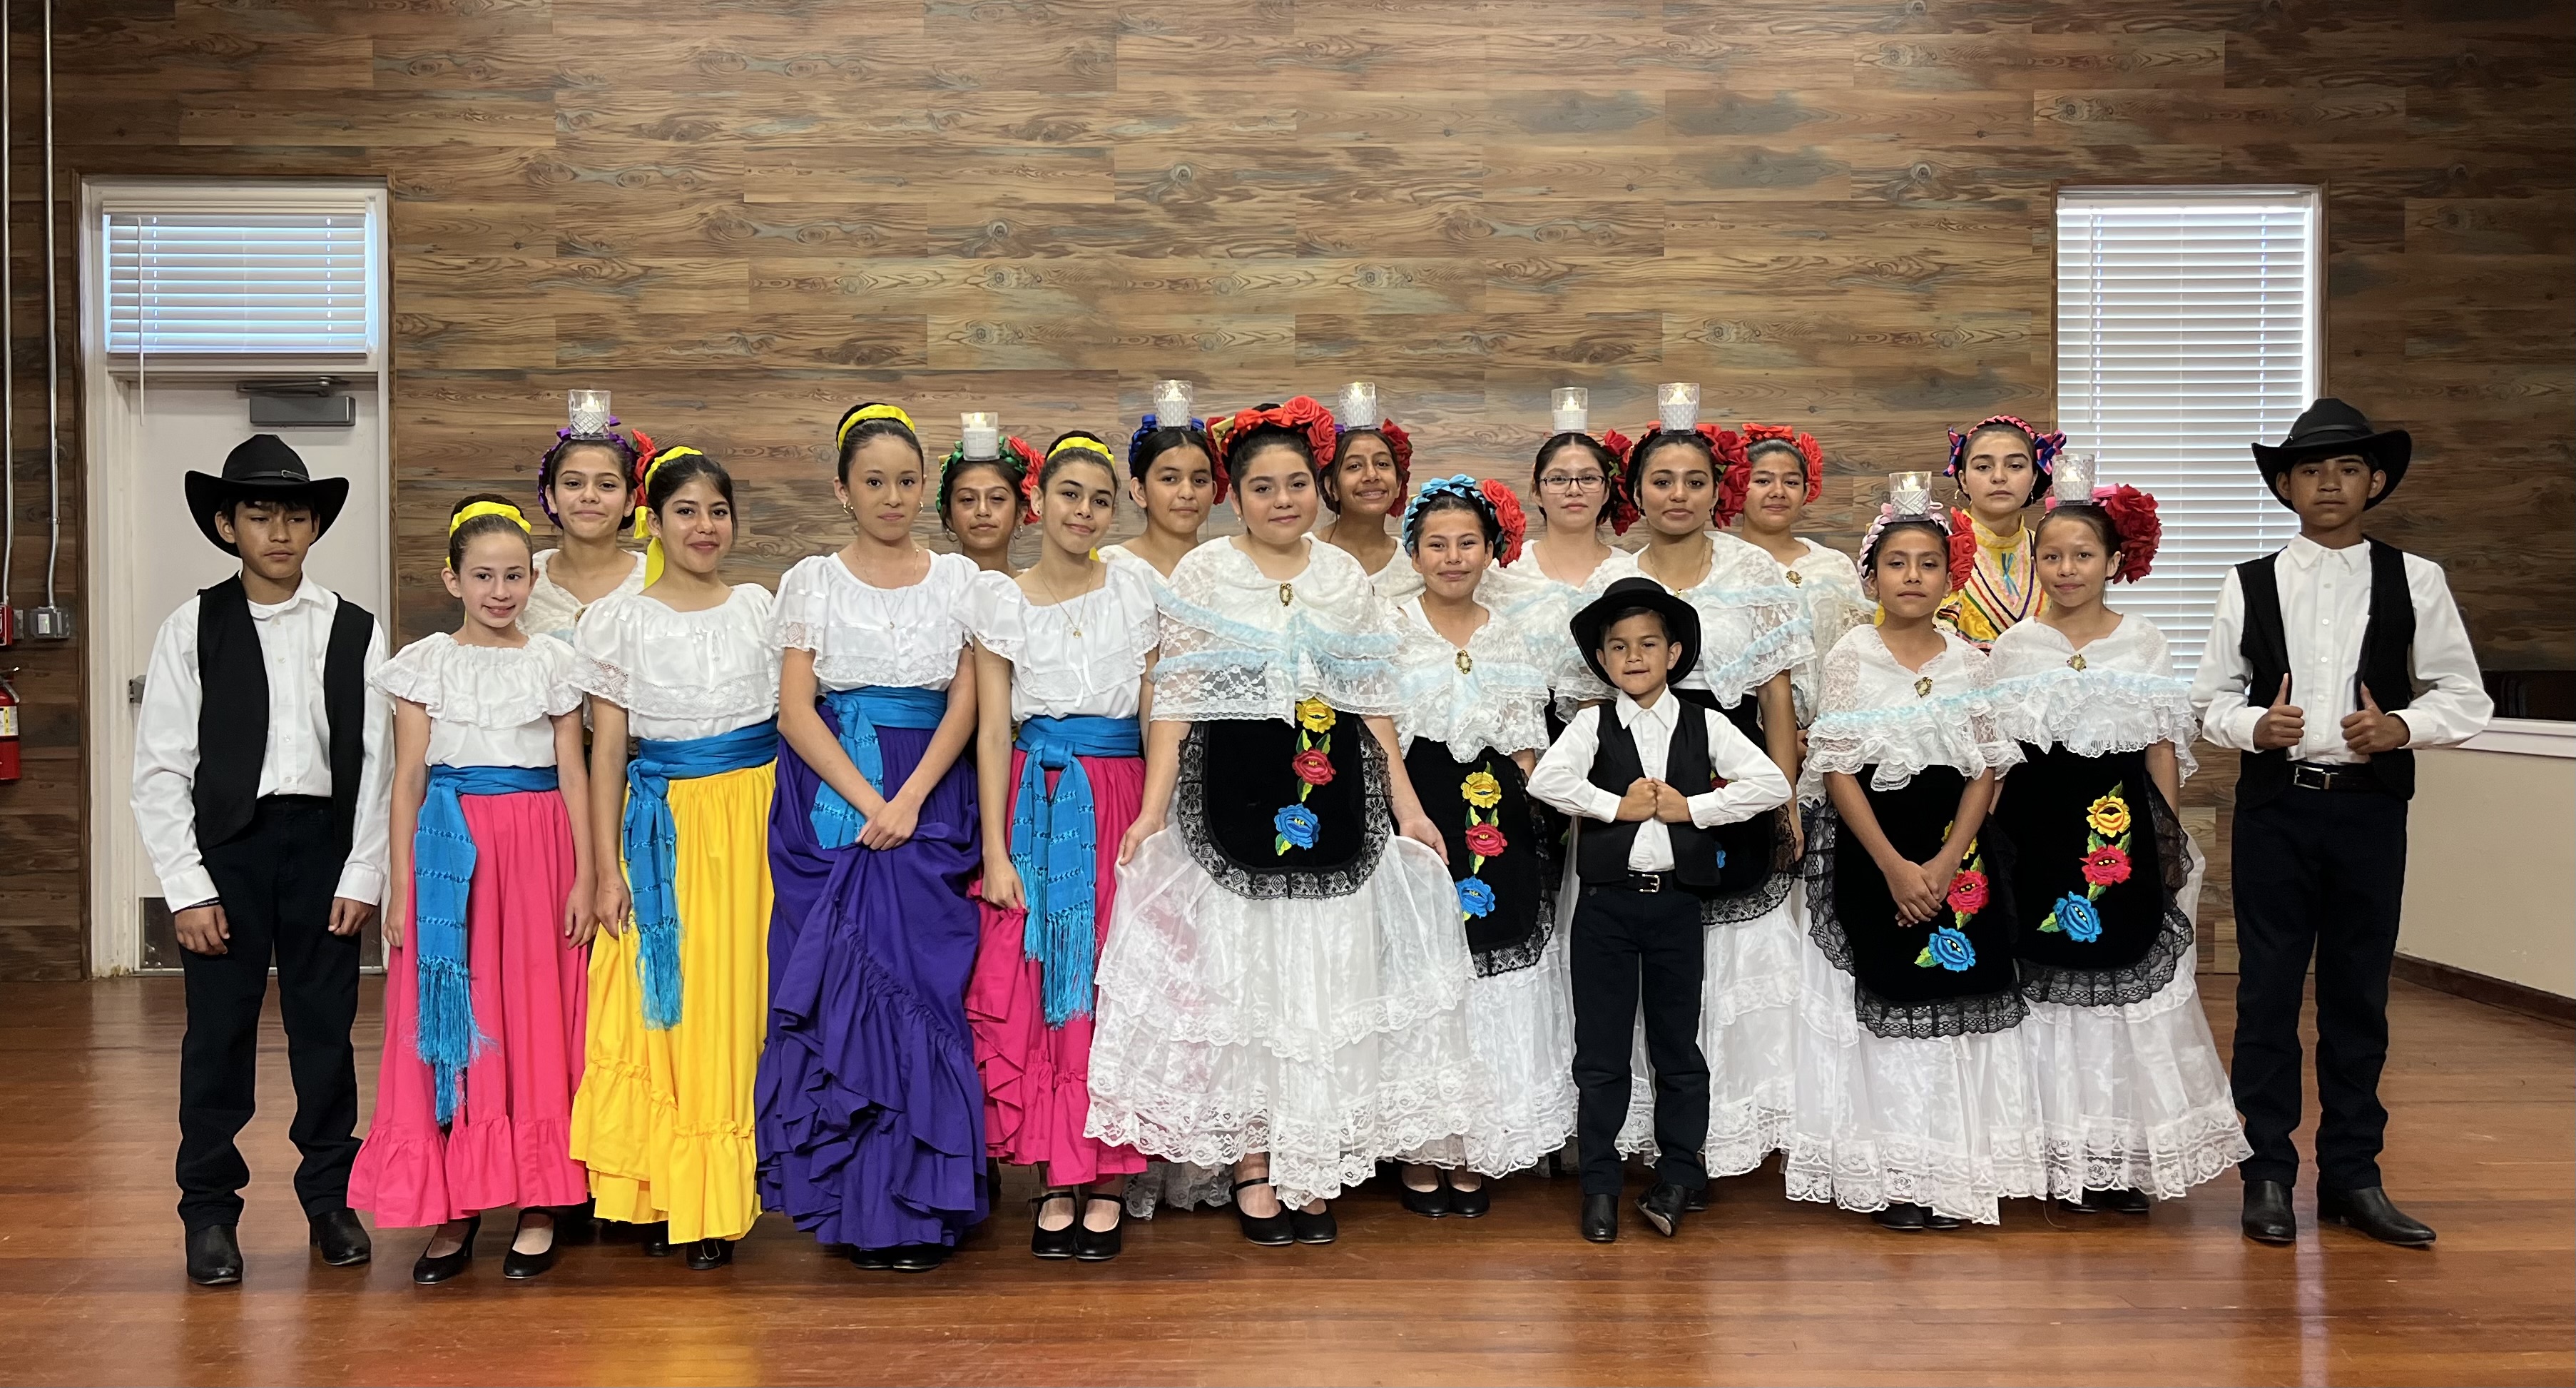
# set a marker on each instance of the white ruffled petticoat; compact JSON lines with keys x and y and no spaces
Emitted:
{"x":1520,"y":1026}
{"x":1747,"y":1032}
{"x":1331,"y":1033}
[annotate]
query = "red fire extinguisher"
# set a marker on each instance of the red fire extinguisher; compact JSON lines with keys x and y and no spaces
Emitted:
{"x":8,"y":729}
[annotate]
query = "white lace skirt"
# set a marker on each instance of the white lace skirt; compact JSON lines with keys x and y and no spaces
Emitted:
{"x":2134,"y":1097}
{"x":1747,"y":1027}
{"x":1331,"y":1033}
{"x":1520,"y":1026}
{"x":1952,"y":1123}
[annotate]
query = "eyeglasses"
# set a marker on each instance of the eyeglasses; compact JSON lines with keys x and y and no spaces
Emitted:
{"x":1573,"y":482}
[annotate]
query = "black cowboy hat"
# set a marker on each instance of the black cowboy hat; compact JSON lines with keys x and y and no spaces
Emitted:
{"x":2332,"y":429}
{"x":263,"y":468}
{"x":1681,"y":623}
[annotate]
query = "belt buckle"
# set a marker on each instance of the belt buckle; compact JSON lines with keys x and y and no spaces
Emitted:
{"x":1646,"y":881}
{"x":2308,"y":776}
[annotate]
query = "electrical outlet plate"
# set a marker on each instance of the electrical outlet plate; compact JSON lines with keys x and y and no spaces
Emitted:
{"x":50,"y":623}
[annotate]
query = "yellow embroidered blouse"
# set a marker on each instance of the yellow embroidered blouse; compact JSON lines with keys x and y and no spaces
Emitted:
{"x":2002,"y":589}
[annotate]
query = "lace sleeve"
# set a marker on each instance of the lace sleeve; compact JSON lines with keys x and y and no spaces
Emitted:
{"x":796,"y":618}
{"x":602,"y":660}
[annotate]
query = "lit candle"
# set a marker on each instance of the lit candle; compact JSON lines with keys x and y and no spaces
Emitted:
{"x":1910,"y":493}
{"x":982,"y":431}
{"x":1569,"y":409}
{"x":588,"y":411}
{"x":1358,"y":408}
{"x":1175,"y":402}
{"x":1677,"y":405}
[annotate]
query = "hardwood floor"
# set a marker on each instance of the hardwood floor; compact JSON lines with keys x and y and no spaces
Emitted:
{"x":1758,"y":1291}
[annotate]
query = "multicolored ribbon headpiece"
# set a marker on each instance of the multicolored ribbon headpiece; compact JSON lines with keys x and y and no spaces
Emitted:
{"x":1495,"y":505}
{"x":2044,"y":448}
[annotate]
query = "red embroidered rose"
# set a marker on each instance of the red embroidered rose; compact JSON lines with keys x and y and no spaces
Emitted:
{"x":1968,"y":893}
{"x":2106,"y":866}
{"x":1486,"y":841}
{"x":1313,"y":767}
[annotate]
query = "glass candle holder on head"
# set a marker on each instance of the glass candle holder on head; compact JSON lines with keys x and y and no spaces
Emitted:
{"x":2070,"y":478}
{"x":1358,"y":406}
{"x":981,"y":432}
{"x":1175,"y":403}
{"x":1569,"y":410}
{"x":586,"y":413}
{"x":1910,"y":493}
{"x":1677,"y":406}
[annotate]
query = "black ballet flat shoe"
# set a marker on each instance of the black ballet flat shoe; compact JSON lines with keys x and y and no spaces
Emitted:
{"x":427,"y":1271}
{"x":2267,"y":1213}
{"x":1472,"y":1204}
{"x":654,"y":1238}
{"x":2368,"y":1211}
{"x":1600,"y":1223}
{"x":1100,"y":1245}
{"x":1663,"y":1207}
{"x":214,"y":1256}
{"x":1903,"y":1218}
{"x":1268,"y":1231}
{"x":576,"y":1224}
{"x":1049,"y":1243}
{"x":872,"y":1259}
{"x":340,"y":1238}
{"x":518,"y":1266}
{"x":1430,"y":1204}
{"x":919,"y":1257}
{"x":706,"y":1255}
{"x":1317,"y":1228}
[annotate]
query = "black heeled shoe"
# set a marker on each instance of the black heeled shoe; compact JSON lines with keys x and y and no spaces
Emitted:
{"x":1269,"y":1231}
{"x":654,"y":1238}
{"x":1472,"y":1204}
{"x":1100,"y":1245}
{"x":1049,"y":1243}
{"x":706,"y":1255}
{"x":214,"y":1256}
{"x":427,"y":1271}
{"x":918,"y":1257}
{"x":1317,"y":1228}
{"x":2368,"y":1210}
{"x":1600,"y":1222}
{"x":518,"y":1266}
{"x":2267,"y":1217}
{"x":1430,"y":1204}
{"x":1662,"y":1205}
{"x":1903,"y":1218}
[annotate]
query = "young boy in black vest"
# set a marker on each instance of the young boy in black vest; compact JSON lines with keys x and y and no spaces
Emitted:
{"x":2328,"y":663}
{"x":1645,"y":777}
{"x":260,"y":786}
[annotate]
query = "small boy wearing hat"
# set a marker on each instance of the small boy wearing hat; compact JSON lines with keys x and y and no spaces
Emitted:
{"x":261,"y":789}
{"x":1645,"y":777}
{"x":2328,"y":663}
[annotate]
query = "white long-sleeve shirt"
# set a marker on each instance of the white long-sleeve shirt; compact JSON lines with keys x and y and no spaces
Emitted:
{"x":294,"y":639}
{"x":1753,"y":782}
{"x":2325,"y":608}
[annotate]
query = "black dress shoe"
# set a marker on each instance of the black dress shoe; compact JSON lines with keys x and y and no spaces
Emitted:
{"x":1269,"y":1231}
{"x":1319,"y":1227}
{"x":2368,"y":1211}
{"x":1049,"y":1243}
{"x":427,"y":1271}
{"x":1600,"y":1222}
{"x":872,"y":1259}
{"x":1663,"y":1207}
{"x":918,"y":1257}
{"x":1697,"y":1201}
{"x":1430,"y":1204}
{"x":654,"y":1238}
{"x":2120,"y":1201}
{"x":576,"y":1224}
{"x":2267,"y":1213}
{"x":340,"y":1238}
{"x":1903,"y":1218}
{"x":214,"y":1256}
{"x":518,"y":1266}
{"x":1472,"y":1204}
{"x":1934,"y":1219}
{"x":706,"y":1255}
{"x":1100,"y":1245}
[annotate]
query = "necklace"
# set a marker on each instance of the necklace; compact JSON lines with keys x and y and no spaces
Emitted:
{"x":1059,"y":601}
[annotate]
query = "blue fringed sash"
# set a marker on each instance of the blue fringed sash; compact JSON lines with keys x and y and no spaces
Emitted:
{"x":1055,"y":848}
{"x":861,"y":712}
{"x":442,"y":856}
{"x":652,"y":844}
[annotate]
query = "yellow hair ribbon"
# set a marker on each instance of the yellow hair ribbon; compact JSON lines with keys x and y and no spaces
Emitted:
{"x":481,"y":509}
{"x":1081,"y":446}
{"x":643,"y":523}
{"x":867,"y":412}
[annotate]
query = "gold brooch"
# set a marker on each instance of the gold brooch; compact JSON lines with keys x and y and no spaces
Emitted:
{"x":1287,"y":594}
{"x":1923,"y":687}
{"x":2075,"y":661}
{"x":1466,"y":663}
{"x":1796,"y":578}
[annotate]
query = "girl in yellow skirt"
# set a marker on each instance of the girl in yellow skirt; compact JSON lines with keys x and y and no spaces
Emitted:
{"x":679,"y":984}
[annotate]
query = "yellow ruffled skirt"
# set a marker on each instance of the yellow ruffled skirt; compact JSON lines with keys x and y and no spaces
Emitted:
{"x":664,"y":1119}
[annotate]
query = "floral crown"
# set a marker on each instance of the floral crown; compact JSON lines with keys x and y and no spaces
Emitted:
{"x":2134,"y":525}
{"x":1301,"y":415}
{"x":1725,"y":444}
{"x":1739,"y":472}
{"x":1017,"y":460}
{"x":1495,"y":505}
{"x":2043,"y":447}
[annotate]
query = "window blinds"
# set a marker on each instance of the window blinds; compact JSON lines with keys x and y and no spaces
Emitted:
{"x":217,"y":283}
{"x":2187,"y":328}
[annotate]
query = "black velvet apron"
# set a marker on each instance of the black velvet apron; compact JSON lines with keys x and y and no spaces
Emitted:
{"x":1518,"y":904}
{"x":2097,"y":861}
{"x":1949,"y":976}
{"x":1265,"y":832}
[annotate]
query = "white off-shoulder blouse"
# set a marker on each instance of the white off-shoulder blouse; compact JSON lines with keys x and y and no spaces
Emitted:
{"x":487,"y":705}
{"x":1082,"y":656}
{"x":861,"y":634}
{"x":681,"y":674}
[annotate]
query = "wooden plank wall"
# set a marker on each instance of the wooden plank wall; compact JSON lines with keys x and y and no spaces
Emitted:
{"x":741,"y":218}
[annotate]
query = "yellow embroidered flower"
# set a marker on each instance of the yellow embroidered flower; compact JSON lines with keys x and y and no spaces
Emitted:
{"x":2109,"y":816}
{"x":1481,"y":790}
{"x":1315,"y":715}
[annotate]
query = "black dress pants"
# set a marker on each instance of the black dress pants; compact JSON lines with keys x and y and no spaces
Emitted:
{"x":275,"y":882}
{"x":1627,"y":947}
{"x":2316,"y":873}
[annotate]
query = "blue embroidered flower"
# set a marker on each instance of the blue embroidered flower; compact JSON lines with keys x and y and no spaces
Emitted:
{"x":2076,"y":916}
{"x":1475,"y":898}
{"x":1296,"y":826}
{"x":1950,"y":949}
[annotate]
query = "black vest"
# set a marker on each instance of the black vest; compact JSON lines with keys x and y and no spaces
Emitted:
{"x":232,"y":713}
{"x":1601,"y":851}
{"x":2387,"y":667}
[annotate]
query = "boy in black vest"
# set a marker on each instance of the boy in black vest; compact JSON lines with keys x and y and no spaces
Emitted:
{"x":2327,"y":663}
{"x":1645,"y":777}
{"x":260,"y":786}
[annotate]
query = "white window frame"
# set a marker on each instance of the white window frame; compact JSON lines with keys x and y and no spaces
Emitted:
{"x":102,"y":197}
{"x":2213,"y":504}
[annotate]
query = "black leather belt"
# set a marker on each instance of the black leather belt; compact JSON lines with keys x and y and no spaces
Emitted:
{"x":2310,"y":775}
{"x":1634,"y":882}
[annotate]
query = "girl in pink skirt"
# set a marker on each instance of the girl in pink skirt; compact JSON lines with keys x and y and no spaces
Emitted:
{"x":487,"y":933}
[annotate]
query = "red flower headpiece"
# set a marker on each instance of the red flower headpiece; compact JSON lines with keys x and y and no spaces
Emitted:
{"x":1303,"y":414}
{"x":1508,"y":515}
{"x":1726,"y":444}
{"x":2134,"y":521}
{"x":1623,"y":507}
{"x":1739,"y":473}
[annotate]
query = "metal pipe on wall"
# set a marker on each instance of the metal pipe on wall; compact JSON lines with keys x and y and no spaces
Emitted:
{"x":53,"y":355}
{"x":8,"y":347}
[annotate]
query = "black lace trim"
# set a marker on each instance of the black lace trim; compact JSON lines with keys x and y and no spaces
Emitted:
{"x":1277,"y":884}
{"x":2147,"y":976}
{"x":1735,"y":908}
{"x":1896,"y":1021}
{"x":1514,"y":958}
